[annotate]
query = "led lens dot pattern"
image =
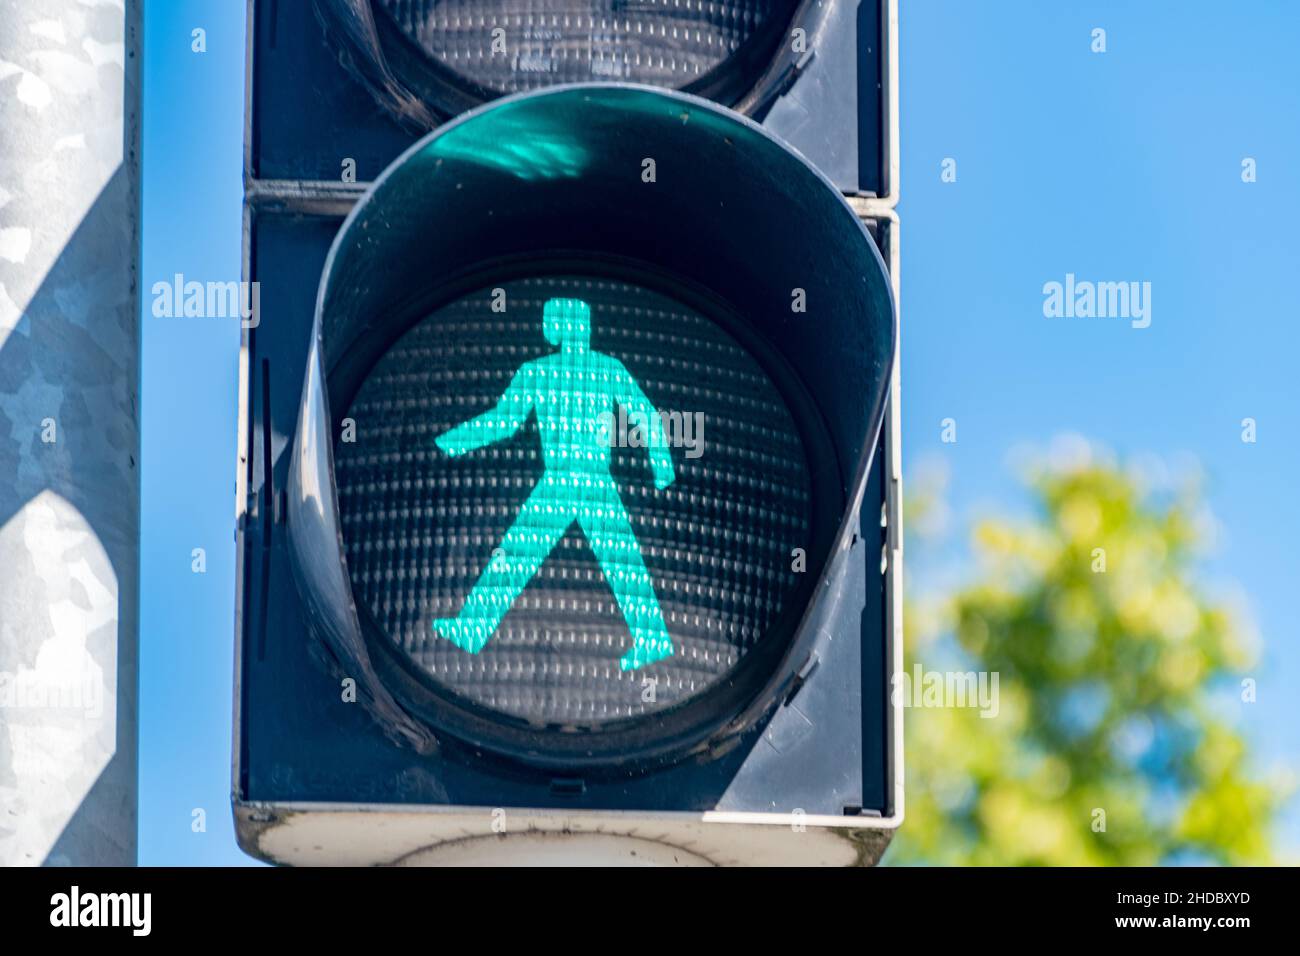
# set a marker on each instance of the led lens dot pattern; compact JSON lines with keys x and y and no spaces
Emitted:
{"x":513,"y":45}
{"x":420,"y":525}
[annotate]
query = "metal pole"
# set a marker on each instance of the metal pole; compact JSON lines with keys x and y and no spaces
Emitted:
{"x":69,"y":430}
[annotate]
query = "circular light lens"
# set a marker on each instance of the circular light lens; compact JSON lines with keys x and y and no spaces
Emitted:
{"x":719,"y":543}
{"x":511,"y":45}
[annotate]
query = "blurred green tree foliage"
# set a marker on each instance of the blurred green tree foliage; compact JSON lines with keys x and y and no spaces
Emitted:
{"x":1114,"y":741}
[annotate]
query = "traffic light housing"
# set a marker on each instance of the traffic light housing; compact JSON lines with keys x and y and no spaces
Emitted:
{"x":732,"y":282}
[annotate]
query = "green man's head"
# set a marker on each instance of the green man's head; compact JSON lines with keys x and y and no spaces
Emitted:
{"x":567,"y":323}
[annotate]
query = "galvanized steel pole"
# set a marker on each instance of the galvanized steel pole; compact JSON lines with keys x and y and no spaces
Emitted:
{"x":69,"y":430}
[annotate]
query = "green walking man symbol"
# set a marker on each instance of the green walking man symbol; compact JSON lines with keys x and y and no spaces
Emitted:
{"x":572,"y":392}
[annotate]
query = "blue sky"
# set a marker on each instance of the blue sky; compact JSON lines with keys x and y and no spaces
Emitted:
{"x":1122,"y":166}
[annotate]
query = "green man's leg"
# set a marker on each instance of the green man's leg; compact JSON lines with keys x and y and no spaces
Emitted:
{"x":541,"y":524}
{"x":605,"y":523}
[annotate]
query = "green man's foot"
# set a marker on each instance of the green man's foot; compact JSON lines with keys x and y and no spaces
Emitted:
{"x":465,"y":636}
{"x":646,"y":651}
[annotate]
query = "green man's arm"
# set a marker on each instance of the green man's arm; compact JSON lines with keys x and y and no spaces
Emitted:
{"x":628,"y":394}
{"x":494,"y":425}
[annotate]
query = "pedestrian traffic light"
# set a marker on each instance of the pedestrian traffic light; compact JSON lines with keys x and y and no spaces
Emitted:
{"x":561,"y":498}
{"x":433,"y":59}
